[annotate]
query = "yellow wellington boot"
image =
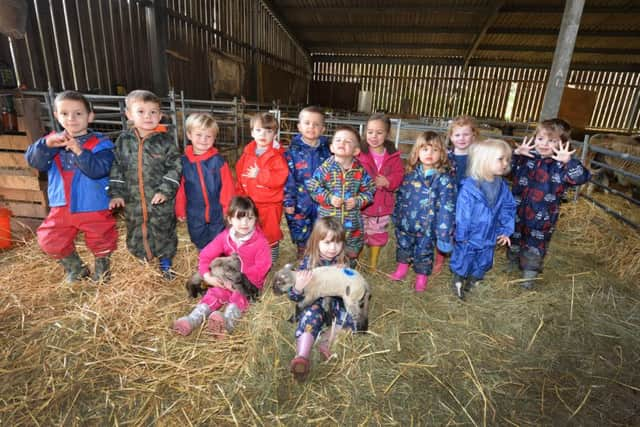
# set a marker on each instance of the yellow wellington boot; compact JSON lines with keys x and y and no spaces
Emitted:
{"x":373,"y":257}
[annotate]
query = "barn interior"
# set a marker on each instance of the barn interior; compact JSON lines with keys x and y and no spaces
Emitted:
{"x":565,"y":353}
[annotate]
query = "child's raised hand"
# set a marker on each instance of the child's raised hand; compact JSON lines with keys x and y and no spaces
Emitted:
{"x":525,"y":148}
{"x":381,"y":181}
{"x":158,"y":198}
{"x":57,"y":140}
{"x":117,"y":202}
{"x":251,"y":172}
{"x":73,"y":146}
{"x":350,"y":203}
{"x":562,"y":153}
{"x":303,"y":277}
{"x":336,"y":201}
{"x":504,"y":240}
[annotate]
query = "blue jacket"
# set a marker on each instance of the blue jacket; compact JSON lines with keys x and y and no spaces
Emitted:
{"x":302,"y":161}
{"x":425,"y":205}
{"x":90,"y":177}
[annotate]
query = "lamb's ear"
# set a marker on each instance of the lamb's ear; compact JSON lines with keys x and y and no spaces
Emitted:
{"x":347,"y":290}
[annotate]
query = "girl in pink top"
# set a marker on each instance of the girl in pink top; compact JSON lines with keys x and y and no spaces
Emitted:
{"x":248,"y":241}
{"x":382,"y":162}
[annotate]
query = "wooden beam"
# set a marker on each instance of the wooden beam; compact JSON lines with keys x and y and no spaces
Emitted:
{"x":431,"y":9}
{"x":277,"y":14}
{"x":14,"y":142}
{"x":491,"y":18}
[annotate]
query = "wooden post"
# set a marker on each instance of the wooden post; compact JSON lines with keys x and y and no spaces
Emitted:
{"x":562,"y":58}
{"x":156,"y":18}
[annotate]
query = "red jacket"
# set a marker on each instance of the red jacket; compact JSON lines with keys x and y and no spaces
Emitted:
{"x":392,"y":169}
{"x":268,"y":186}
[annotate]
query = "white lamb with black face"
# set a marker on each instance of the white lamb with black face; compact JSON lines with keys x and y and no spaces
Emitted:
{"x":331,"y":281}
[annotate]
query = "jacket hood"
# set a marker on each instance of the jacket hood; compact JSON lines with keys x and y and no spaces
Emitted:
{"x":188,"y":151}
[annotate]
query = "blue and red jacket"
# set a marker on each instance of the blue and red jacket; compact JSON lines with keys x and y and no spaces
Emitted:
{"x":206,"y":188}
{"x":90,"y":171}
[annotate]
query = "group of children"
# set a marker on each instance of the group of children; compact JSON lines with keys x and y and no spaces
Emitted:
{"x":336,"y":197}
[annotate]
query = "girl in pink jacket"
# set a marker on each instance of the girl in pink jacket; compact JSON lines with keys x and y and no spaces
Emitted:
{"x":248,"y":241}
{"x":382,"y":162}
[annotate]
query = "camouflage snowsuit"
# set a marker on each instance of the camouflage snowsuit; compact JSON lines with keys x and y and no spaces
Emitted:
{"x":143,"y":167}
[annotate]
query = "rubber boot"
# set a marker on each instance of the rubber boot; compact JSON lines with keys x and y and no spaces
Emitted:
{"x":165,"y":268}
{"x":457,"y":285}
{"x":326,"y":340}
{"x":400,"y":273}
{"x":216,"y":326}
{"x":471,"y":283}
{"x":300,"y":365}
{"x":421,"y":282}
{"x":437,"y":265}
{"x":275,"y":252}
{"x":530,"y":276}
{"x":74,"y":267}
{"x":102,"y":271}
{"x":185,"y":325}
{"x":373,"y":257}
{"x":231,"y":315}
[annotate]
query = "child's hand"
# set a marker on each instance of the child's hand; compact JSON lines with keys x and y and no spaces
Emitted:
{"x":525,"y":148}
{"x":73,"y":146}
{"x":350,"y":203}
{"x":381,"y":181}
{"x":212,"y":281}
{"x":303,"y":277}
{"x":158,"y":198}
{"x":336,"y":201}
{"x":252,"y":172}
{"x":117,"y":202}
{"x":57,"y":140}
{"x":290,"y":210}
{"x":504,"y":240}
{"x":562,"y":154}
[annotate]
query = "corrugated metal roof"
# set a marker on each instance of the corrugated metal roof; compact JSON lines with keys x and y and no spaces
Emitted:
{"x":511,"y":32}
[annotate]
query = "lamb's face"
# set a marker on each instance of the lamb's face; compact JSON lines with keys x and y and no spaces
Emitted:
{"x":356,"y":302}
{"x":283,"y":280}
{"x":226,"y":268}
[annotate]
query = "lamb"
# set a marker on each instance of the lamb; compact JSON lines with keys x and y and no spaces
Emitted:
{"x":331,"y":281}
{"x":227,"y":269}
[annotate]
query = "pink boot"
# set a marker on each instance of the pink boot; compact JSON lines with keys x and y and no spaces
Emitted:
{"x":215,"y":325}
{"x":300,"y":365}
{"x":400,"y":273}
{"x":421,"y":282}
{"x":437,"y":266}
{"x":185,"y":325}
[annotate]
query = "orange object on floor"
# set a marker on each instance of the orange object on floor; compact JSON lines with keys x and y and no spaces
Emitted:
{"x":5,"y":228}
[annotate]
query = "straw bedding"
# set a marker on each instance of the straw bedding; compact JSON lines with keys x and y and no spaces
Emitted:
{"x":564,"y":354}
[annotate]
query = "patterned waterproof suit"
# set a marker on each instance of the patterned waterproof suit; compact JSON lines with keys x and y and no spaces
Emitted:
{"x":204,"y":195}
{"x":329,"y":180}
{"x":478,"y":226}
{"x":302,"y":161}
{"x":538,"y":184}
{"x":424,"y":215}
{"x":143,"y":167}
{"x":313,"y":317}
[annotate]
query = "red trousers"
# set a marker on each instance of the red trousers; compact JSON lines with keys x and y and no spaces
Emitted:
{"x":57,"y":233}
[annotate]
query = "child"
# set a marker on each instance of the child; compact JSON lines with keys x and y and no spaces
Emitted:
{"x":262,"y":172}
{"x":463,"y":132}
{"x":382,"y":162}
{"x":306,"y":153}
{"x":77,"y":162}
{"x":542,"y":169}
{"x":485,"y":213}
{"x":425,"y":208}
{"x":144,"y":180}
{"x":342,"y":187}
{"x":245,"y":239}
{"x":326,"y":247}
{"x":207,"y":184}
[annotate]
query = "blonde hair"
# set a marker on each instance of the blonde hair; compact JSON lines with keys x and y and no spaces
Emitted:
{"x":266,"y":120}
{"x":557,"y":127}
{"x":425,"y":139}
{"x":322,"y":227}
{"x":201,"y":121}
{"x":462,"y":121}
{"x":482,"y":153}
{"x":141,"y":95}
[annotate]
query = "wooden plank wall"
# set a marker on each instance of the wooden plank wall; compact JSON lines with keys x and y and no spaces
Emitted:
{"x":484,"y":92}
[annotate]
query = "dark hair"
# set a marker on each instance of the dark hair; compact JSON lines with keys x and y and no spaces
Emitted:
{"x":389,"y":146}
{"x":348,"y":129}
{"x":241,"y":206}
{"x":266,"y":120}
{"x":72,"y":95}
{"x":557,"y":127}
{"x":141,"y":95}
